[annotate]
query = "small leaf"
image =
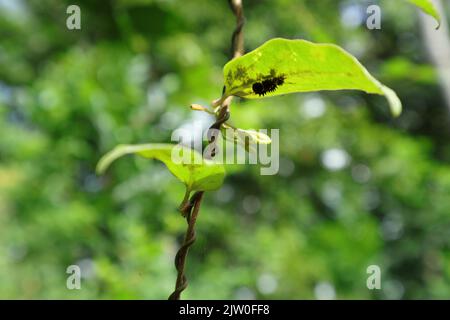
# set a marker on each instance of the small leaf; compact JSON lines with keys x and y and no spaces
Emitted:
{"x":248,"y":139}
{"x":198,"y":107}
{"x":282,"y":66}
{"x":429,"y":8}
{"x":187,"y":165}
{"x":256,"y":136}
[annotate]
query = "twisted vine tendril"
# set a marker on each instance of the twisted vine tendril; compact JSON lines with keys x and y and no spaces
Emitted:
{"x":191,"y":209}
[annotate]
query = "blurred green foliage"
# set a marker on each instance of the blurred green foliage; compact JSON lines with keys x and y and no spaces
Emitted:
{"x":356,"y":187}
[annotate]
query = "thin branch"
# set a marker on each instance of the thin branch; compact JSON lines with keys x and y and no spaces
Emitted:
{"x":237,"y":40}
{"x":180,"y":258}
{"x":191,"y":209}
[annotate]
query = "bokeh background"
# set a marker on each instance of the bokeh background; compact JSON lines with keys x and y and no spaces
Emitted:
{"x":356,"y":187}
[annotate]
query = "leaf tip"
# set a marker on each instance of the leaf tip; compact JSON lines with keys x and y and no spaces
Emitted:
{"x":102,"y":165}
{"x":106,"y":160}
{"x":394,"y":101}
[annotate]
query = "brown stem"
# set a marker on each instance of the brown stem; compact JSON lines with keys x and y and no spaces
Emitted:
{"x":180,"y":258}
{"x":191,"y":209}
{"x":237,"y":40}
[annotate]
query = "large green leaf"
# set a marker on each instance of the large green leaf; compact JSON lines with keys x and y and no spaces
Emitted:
{"x":197,"y":173}
{"x":428,"y":7}
{"x":302,"y":66}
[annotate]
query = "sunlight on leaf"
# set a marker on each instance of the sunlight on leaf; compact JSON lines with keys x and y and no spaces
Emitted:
{"x":282,"y":66}
{"x":197,"y":173}
{"x":248,"y":139}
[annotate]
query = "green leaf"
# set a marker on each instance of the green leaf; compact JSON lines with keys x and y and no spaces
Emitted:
{"x":248,"y":139}
{"x":429,"y":8}
{"x":301,"y":66}
{"x":197,"y":173}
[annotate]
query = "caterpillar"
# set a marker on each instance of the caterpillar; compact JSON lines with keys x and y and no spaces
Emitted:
{"x":268,"y":85}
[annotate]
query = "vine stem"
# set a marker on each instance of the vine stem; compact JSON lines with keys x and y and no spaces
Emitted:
{"x":190,"y":209}
{"x":180,"y":259}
